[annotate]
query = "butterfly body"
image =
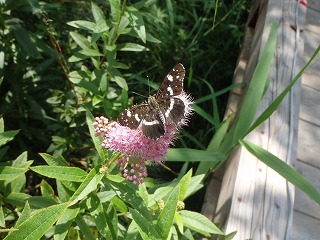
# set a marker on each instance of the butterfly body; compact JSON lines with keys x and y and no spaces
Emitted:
{"x":162,"y":108}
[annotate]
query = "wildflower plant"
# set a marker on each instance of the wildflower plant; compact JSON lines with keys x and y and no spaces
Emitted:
{"x":134,"y":147}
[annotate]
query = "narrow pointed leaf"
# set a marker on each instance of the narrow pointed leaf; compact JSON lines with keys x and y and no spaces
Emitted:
{"x":146,"y":229}
{"x":165,"y":220}
{"x":88,"y":185}
{"x":193,"y":155}
{"x":73,"y":174}
{"x":283,"y":169}
{"x":199,"y":223}
{"x":38,"y":223}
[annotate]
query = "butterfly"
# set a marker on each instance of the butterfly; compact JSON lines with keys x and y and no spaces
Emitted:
{"x":160,"y":109}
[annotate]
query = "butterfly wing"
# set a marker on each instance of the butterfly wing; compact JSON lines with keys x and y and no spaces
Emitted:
{"x":162,"y":107}
{"x":173,"y":109}
{"x":152,"y":125}
{"x":133,"y":116}
{"x":151,"y":120}
{"x":172,"y":84}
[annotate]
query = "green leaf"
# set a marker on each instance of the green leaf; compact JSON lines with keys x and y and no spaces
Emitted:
{"x":283,"y":169}
{"x":120,"y":81}
{"x":1,"y":124}
{"x":64,"y":223}
{"x":199,"y":223}
{"x":90,"y":53}
{"x":112,"y":221}
{"x":160,"y":193}
{"x":203,"y":113}
{"x":137,"y":23}
{"x":84,"y":228}
{"x":38,"y":223}
{"x":130,"y":196}
{"x":88,"y":185}
{"x":62,"y":173}
{"x":7,"y":136}
{"x":193,"y":155}
{"x":90,"y":86}
{"x":18,"y":185}
{"x":184,"y":184}
{"x":97,"y":213}
{"x":46,"y":189}
{"x":2,"y":220}
{"x":9,"y":173}
{"x":145,"y":227}
{"x":22,"y":161}
{"x":120,"y":205}
{"x":217,"y":139}
{"x":39,"y":202}
{"x":166,"y":217}
{"x":220,"y":134}
{"x":82,"y":24}
{"x":97,"y":13}
{"x":131,"y":47}
{"x":274,"y":105}
{"x":25,"y":39}
{"x":26,"y":213}
{"x":257,"y":86}
{"x":115,"y":10}
{"x":54,"y":161}
{"x":195,"y":184}
{"x":80,"y":40}
{"x":16,"y":198}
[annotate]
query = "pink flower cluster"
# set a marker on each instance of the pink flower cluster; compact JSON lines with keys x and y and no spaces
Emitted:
{"x":135,"y":148}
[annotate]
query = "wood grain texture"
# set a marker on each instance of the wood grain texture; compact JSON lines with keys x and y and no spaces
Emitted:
{"x":256,"y":201}
{"x":305,"y":227}
{"x":303,"y":203}
{"x":308,"y":144}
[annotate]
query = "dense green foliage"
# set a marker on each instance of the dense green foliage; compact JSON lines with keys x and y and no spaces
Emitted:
{"x":61,"y":60}
{"x":48,"y":78}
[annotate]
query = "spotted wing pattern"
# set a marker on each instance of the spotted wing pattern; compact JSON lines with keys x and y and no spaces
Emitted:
{"x":160,"y":109}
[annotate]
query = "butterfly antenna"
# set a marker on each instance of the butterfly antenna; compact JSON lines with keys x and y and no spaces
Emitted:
{"x":148,"y":84}
{"x":139,"y":94}
{"x":169,"y":169}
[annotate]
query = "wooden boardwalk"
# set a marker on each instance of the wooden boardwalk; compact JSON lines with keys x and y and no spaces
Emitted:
{"x":306,"y":216}
{"x":253,"y":200}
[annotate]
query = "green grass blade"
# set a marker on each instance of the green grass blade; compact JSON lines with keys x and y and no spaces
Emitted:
{"x":193,"y":155}
{"x":257,"y":86}
{"x":213,"y":146}
{"x":275,"y":104}
{"x":254,"y":94}
{"x":283,"y":169}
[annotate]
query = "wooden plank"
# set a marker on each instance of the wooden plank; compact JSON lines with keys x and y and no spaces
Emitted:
{"x":314,"y":5}
{"x":311,"y":77}
{"x":310,"y":108}
{"x":312,"y":16}
{"x":308,"y":143}
{"x":303,"y":203}
{"x":305,"y":227}
{"x":261,"y":203}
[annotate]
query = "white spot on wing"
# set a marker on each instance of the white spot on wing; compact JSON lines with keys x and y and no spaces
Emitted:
{"x":150,"y":123}
{"x":136,"y":116}
{"x":170,"y":78}
{"x":170,"y":107}
{"x":170,"y":90}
